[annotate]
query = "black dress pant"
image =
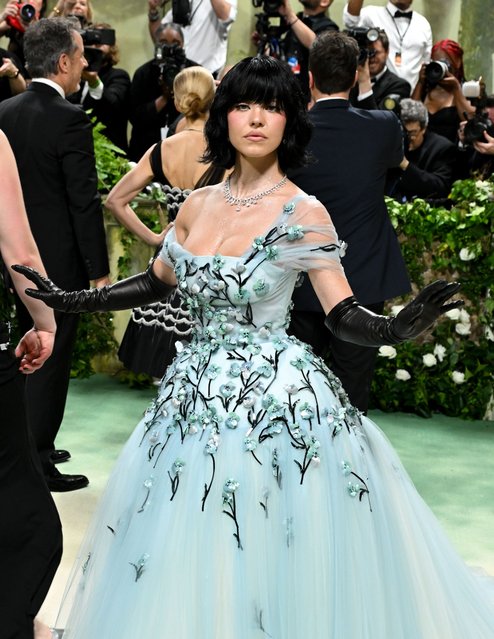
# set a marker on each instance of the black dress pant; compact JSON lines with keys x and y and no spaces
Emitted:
{"x":352,"y":364}
{"x":30,"y":529}
{"x":47,"y":388}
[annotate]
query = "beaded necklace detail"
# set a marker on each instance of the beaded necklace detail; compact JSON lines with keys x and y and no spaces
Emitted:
{"x":238,"y":202}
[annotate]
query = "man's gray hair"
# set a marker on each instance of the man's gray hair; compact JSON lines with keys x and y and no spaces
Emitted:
{"x":413,"y":111}
{"x":45,"y":41}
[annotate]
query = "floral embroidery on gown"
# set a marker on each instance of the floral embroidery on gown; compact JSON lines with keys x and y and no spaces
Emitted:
{"x":252,"y":500}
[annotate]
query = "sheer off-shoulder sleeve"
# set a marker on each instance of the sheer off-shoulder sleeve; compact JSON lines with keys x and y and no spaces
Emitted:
{"x":305,"y":239}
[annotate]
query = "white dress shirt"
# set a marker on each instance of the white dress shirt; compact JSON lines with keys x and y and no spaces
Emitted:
{"x":410,"y":41}
{"x":206,"y":38}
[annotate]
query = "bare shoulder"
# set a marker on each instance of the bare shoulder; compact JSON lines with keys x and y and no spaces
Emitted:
{"x":198,"y":203}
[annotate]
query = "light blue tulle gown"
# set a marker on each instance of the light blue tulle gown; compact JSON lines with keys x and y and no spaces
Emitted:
{"x":252,"y":500}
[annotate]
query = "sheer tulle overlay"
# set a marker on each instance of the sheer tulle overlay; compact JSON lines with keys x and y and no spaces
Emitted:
{"x":253,"y":501}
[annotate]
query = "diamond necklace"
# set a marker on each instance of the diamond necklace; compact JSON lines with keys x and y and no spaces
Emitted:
{"x":238,"y":202}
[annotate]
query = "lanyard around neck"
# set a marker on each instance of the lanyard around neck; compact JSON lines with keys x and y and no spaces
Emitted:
{"x":401,"y":36}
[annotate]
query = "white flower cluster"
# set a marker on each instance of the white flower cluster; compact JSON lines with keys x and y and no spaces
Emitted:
{"x":387,"y":351}
{"x":461,"y":316}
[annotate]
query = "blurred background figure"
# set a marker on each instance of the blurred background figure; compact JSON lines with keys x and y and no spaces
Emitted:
{"x":15,"y":19}
{"x":30,"y":533}
{"x":105,"y":89}
{"x":148,"y":344}
{"x":427,"y":169}
{"x":440,"y":88}
{"x":81,"y":9}
{"x":206,"y":25}
{"x":152,"y":108}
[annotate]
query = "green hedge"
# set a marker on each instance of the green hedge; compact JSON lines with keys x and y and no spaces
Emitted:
{"x":449,"y":370}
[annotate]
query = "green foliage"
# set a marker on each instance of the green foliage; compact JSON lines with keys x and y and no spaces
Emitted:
{"x":94,"y":337}
{"x":455,"y":244}
{"x":111,"y":164}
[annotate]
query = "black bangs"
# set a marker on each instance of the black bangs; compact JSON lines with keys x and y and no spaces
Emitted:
{"x":260,"y":80}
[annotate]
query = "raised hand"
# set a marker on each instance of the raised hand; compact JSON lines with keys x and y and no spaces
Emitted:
{"x":423,"y":311}
{"x":353,"y":323}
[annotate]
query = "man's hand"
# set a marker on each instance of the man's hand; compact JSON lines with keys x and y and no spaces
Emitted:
{"x":487,"y":147}
{"x":8,"y":69}
{"x":285,"y":10}
{"x":11,"y":9}
{"x":91,"y":77}
{"x":102,"y":281}
{"x":34,"y":349}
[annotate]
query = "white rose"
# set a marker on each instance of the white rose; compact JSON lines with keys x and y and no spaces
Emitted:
{"x":387,"y":351}
{"x":463,"y":329}
{"x":458,"y":377}
{"x":396,"y":309}
{"x":489,"y":334}
{"x":131,"y":165}
{"x":402,"y":375}
{"x":429,"y":360}
{"x":466,"y":255}
{"x":453,"y":314}
{"x":464,"y":316}
{"x":439,"y":351}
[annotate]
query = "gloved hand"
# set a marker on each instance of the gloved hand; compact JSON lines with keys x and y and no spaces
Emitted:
{"x":352,"y":323}
{"x":138,"y":290}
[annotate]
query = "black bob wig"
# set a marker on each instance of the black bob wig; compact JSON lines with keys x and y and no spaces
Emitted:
{"x":259,"y":80}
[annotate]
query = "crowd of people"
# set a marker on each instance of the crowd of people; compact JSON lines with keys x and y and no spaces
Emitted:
{"x":258,"y":153}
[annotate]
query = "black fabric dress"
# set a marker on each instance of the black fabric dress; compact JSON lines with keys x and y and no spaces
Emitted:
{"x":30,"y":529}
{"x":149,"y":342}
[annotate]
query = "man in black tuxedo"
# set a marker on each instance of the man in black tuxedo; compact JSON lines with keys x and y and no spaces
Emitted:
{"x":53,"y":146}
{"x":385,"y":83}
{"x":353,"y":149}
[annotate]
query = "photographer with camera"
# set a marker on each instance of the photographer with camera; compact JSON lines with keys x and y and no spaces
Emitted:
{"x":104,"y":88}
{"x":205,"y":25}
{"x":15,"y":19}
{"x":409,"y":33}
{"x":387,"y":88}
{"x":440,"y":88}
{"x":152,"y":109}
{"x":427,"y":170}
{"x":476,"y":137}
{"x":300,"y":31}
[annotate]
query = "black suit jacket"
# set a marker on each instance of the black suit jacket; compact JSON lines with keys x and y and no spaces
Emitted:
{"x":389,"y":83}
{"x":53,"y":146}
{"x":353,"y":149}
{"x":431,"y":169}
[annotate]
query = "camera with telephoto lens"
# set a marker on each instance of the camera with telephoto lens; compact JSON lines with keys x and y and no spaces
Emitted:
{"x":92,"y":37}
{"x":170,"y":59}
{"x":26,"y":12}
{"x":479,"y":123}
{"x":364,"y":38}
{"x":436,"y":71}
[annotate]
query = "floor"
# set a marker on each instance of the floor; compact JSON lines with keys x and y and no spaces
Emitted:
{"x":451,"y":462}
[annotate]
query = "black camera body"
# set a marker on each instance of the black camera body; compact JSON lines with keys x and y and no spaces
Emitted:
{"x":436,"y":71}
{"x":92,"y":37}
{"x":475,"y":127}
{"x":170,"y":59}
{"x":364,"y":37}
{"x":270,"y":8}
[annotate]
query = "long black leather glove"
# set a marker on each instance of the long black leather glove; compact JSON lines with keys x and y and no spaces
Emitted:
{"x":352,"y":323}
{"x":138,"y":290}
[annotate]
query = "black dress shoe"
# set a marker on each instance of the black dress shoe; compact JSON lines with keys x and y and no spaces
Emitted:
{"x":59,"y":456}
{"x":59,"y":483}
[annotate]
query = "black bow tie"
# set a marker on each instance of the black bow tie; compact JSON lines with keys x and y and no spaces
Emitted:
{"x":403,"y":14}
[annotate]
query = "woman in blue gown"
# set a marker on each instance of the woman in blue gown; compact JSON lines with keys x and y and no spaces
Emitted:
{"x":253,"y":500}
